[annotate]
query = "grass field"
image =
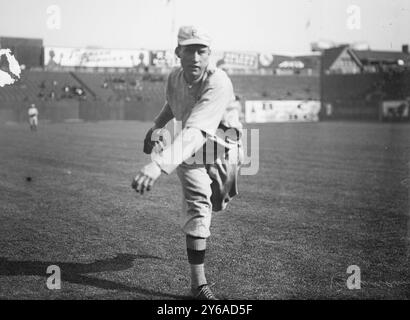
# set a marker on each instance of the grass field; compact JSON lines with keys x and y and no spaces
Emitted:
{"x":327,"y":195}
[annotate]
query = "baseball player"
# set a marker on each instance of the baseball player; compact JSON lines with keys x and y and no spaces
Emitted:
{"x":198,"y":95}
{"x":33,"y":117}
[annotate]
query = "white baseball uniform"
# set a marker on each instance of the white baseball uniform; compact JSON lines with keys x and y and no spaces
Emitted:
{"x":33,"y":116}
{"x":204,"y":106}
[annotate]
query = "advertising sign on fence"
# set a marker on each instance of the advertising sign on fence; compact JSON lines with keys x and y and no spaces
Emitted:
{"x":83,"y":57}
{"x":240,"y":60}
{"x":395,"y":110}
{"x":164,"y":59}
{"x":282,"y":111}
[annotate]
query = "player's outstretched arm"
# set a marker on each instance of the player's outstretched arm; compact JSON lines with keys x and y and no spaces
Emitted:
{"x":189,"y":141}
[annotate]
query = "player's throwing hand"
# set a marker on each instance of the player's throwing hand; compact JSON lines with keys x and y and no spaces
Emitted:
{"x":145,"y":179}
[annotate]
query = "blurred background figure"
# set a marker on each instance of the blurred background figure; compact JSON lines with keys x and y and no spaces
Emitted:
{"x":234,"y":115}
{"x":33,"y":117}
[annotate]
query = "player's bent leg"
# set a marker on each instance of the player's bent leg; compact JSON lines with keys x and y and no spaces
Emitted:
{"x":197,"y":206}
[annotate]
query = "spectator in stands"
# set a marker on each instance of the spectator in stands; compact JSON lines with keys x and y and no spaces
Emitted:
{"x":119,"y":79}
{"x":146,"y":76}
{"x":78,"y":92}
{"x":66,"y":91}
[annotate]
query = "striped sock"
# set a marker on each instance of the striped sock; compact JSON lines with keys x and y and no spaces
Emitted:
{"x":196,"y":256}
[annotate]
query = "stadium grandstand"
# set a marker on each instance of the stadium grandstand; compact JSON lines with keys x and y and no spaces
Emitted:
{"x":130,"y":84}
{"x":357,"y":84}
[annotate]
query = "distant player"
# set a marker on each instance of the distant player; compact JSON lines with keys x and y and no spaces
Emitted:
{"x":33,"y":117}
{"x":198,"y":95}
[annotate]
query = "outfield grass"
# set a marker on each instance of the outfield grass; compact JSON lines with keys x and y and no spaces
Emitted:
{"x":327,"y":195}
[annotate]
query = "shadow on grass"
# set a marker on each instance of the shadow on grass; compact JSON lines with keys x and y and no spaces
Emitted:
{"x":74,"y":272}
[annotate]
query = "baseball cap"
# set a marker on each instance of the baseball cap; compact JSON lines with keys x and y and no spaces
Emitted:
{"x":189,"y":35}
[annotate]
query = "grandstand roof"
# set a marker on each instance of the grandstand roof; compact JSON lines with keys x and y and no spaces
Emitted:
{"x":363,"y":57}
{"x":381,"y":56}
{"x":331,"y":55}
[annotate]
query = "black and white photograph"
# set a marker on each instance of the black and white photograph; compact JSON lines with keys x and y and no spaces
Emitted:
{"x":182,"y":150}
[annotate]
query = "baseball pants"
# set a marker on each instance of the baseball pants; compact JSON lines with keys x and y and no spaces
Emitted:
{"x":197,"y":206}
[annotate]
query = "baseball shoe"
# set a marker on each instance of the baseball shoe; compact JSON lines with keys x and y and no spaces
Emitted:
{"x":203,"y":293}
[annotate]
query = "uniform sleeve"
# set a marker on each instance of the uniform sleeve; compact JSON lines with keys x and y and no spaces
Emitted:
{"x":208,"y":111}
{"x":188,"y":142}
{"x":164,"y":116}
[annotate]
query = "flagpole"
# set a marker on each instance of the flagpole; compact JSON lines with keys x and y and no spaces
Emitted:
{"x":173,"y":22}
